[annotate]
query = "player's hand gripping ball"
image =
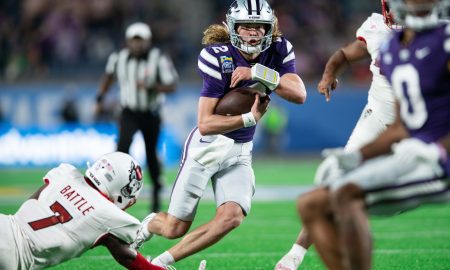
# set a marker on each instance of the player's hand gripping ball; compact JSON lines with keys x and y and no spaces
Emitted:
{"x":238,"y":101}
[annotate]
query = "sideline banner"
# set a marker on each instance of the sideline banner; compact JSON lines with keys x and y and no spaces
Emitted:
{"x":75,"y":144}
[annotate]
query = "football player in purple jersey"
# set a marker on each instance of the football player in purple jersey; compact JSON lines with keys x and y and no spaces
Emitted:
{"x":406,"y":166}
{"x":247,"y":51}
{"x":376,"y":116}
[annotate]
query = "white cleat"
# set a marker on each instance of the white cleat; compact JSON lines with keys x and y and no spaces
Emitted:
{"x":202,"y":265}
{"x":288,"y":262}
{"x":143,"y":234}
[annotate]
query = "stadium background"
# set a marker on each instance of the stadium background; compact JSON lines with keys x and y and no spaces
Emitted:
{"x":53,"y":52}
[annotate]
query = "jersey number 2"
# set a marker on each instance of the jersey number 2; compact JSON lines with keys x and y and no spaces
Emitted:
{"x":61,"y":216}
{"x":220,"y":49}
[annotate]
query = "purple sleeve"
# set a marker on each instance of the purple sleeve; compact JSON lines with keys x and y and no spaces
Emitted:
{"x":286,"y":55}
{"x":214,"y":82}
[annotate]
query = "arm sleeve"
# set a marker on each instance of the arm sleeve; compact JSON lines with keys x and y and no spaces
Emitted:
{"x":214,"y":82}
{"x":286,"y":53}
{"x":370,"y":30}
{"x":363,"y":31}
{"x":166,"y":70}
{"x":111,"y":64}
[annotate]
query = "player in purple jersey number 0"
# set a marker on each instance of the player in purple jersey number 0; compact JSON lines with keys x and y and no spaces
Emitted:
{"x":406,"y":166}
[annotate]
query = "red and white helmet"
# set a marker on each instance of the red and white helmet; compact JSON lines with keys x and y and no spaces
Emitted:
{"x":118,"y":176}
{"x":387,"y":14}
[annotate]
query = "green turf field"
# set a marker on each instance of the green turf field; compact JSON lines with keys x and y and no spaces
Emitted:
{"x":416,"y":240}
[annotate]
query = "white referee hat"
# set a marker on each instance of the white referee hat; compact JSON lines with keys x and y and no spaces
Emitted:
{"x":138,"y":29}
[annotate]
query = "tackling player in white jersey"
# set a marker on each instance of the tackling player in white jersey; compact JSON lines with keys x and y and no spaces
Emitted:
{"x":377,"y":114}
{"x":72,"y":213}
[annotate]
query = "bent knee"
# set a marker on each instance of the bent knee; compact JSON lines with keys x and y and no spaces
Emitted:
{"x":313,"y":203}
{"x":346,"y":194}
{"x":229,"y":223}
{"x":176,"y":229}
{"x":231,"y":217}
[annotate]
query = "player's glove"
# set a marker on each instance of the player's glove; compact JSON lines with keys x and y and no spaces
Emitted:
{"x":337,"y":162}
{"x":267,"y":76}
{"x":327,"y":170}
{"x":415,"y":149}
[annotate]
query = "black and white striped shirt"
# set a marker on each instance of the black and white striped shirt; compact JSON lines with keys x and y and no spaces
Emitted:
{"x":157,"y":68}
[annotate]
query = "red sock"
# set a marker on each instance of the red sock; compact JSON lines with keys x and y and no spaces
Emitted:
{"x":141,"y":263}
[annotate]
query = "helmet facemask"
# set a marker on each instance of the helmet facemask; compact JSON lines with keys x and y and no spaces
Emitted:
{"x":239,"y":42}
{"x":241,"y":12}
{"x":421,"y":16}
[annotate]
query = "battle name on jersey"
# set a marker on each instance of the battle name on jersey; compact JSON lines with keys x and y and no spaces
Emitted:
{"x":76,"y":199}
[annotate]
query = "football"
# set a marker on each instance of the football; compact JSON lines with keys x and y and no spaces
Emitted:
{"x":238,"y":101}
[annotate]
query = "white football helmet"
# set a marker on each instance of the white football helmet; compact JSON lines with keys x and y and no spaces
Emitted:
{"x":420,"y":16}
{"x":118,"y":176}
{"x":250,"y":11}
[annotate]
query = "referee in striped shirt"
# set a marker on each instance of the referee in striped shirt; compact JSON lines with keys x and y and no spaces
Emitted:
{"x":144,"y":75}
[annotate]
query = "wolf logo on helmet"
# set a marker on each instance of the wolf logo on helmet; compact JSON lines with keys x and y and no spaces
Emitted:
{"x":135,"y":183}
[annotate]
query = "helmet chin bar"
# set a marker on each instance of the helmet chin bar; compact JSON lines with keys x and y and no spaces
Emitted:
{"x":421,"y":23}
{"x":408,"y":16}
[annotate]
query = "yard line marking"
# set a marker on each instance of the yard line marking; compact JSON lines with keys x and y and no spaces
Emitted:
{"x":314,"y":254}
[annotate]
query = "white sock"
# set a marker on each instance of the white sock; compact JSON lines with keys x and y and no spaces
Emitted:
{"x":164,"y":259}
{"x":298,"y":251}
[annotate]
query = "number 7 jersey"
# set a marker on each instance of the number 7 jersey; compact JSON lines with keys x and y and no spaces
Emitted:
{"x":68,"y":218}
{"x":420,"y":76}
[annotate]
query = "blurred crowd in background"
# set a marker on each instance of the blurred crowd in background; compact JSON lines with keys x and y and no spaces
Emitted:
{"x":71,"y":39}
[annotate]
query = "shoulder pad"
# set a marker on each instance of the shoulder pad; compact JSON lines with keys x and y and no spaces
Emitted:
{"x":64,"y":171}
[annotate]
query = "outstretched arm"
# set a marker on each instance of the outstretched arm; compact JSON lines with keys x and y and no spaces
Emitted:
{"x":338,"y":63}
{"x":126,"y":256}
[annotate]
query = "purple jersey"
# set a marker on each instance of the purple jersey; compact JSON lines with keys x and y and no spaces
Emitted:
{"x":217,"y":62}
{"x":420,"y":76}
